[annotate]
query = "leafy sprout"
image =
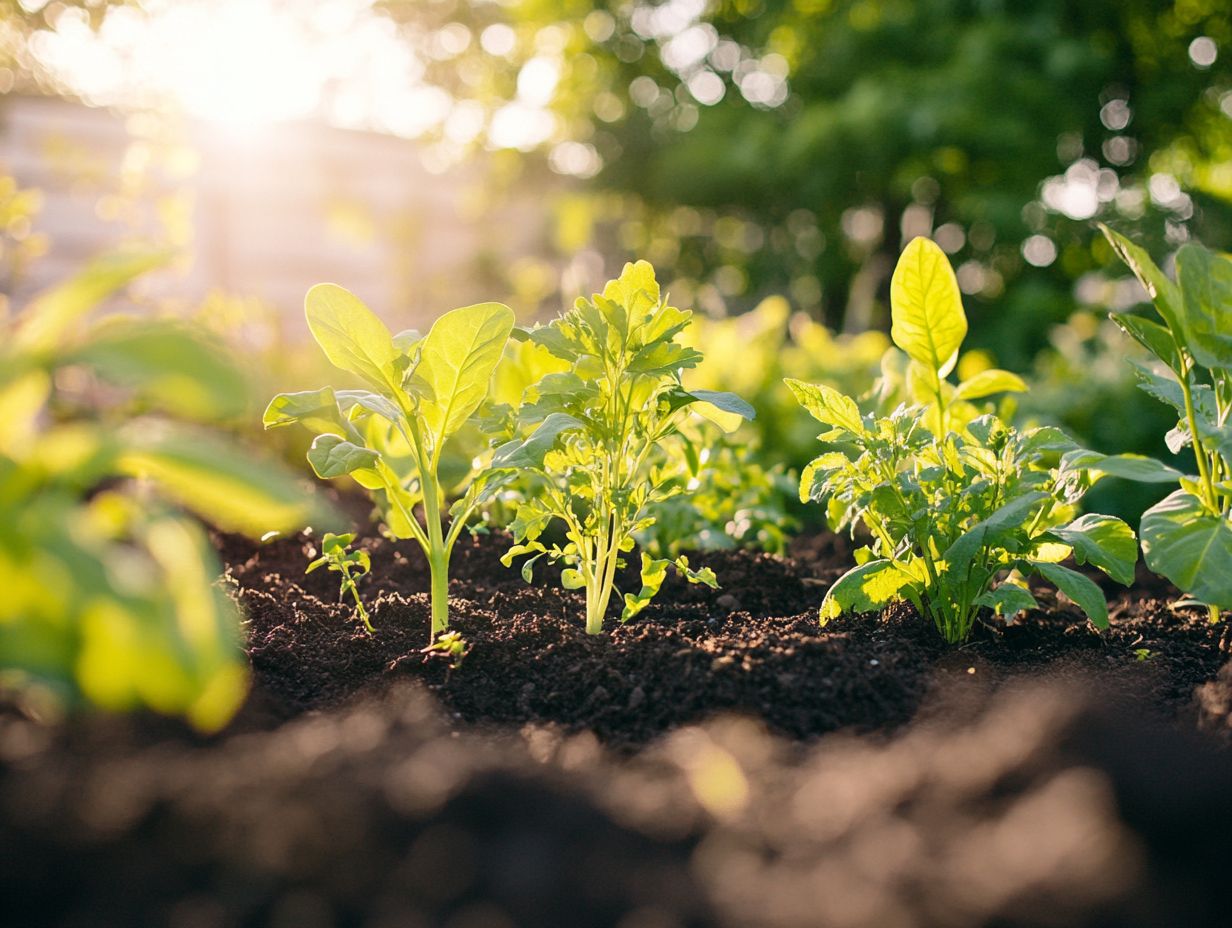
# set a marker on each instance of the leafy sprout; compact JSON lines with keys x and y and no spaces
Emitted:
{"x":351,"y":565}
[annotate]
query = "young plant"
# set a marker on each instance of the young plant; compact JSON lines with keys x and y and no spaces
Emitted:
{"x":1187,"y":537}
{"x":352,"y":565}
{"x":960,"y":512}
{"x":389,"y":438}
{"x":606,"y":437}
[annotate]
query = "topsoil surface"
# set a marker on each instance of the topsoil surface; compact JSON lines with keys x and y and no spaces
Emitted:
{"x":753,"y":647}
{"x":721,"y":761}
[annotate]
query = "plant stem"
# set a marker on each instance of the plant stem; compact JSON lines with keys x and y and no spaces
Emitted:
{"x":1204,"y":474}
{"x":438,"y":564}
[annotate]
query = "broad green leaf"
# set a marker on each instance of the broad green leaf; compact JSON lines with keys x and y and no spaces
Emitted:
{"x":1047,"y":439}
{"x":530,"y":453}
{"x":1191,"y":546}
{"x":369,"y":402}
{"x":352,"y":336}
{"x":334,"y":456}
{"x":654,"y":571}
{"x":1136,"y":467}
{"x":1206,"y":293}
{"x":459,"y":355}
{"x":1082,"y":590}
{"x":225,"y":486}
{"x":1163,"y":292}
{"x":1104,"y":541}
{"x":50,"y":317}
{"x":1008,"y":599}
{"x":170,"y":366}
{"x":926,"y":307}
{"x":986,"y":383}
{"x":571,"y":579}
{"x":863,"y":589}
{"x":636,"y":288}
{"x":816,"y":472}
{"x":827,"y":405}
{"x":726,"y":410}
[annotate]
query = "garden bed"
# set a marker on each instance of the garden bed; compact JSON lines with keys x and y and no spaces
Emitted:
{"x":719,"y":761}
{"x":755,"y":646}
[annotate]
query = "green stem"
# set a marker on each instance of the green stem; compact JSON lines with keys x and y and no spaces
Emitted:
{"x":1204,"y":473}
{"x":359,"y":603}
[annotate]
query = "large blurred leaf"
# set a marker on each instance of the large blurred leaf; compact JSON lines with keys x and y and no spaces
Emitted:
{"x":224,"y":485}
{"x":926,"y":306}
{"x":172,"y":368}
{"x":50,"y":317}
{"x":459,"y":355}
{"x":1191,"y":546}
{"x":351,"y":335}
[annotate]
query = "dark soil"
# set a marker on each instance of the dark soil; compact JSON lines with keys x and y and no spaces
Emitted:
{"x":754,"y":647}
{"x":720,"y":762}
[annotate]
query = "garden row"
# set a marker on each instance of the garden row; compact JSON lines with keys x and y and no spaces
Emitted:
{"x":956,"y":507}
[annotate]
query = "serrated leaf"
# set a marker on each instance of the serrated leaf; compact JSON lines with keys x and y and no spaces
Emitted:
{"x":928,"y":321}
{"x":459,"y":355}
{"x":1104,"y":541}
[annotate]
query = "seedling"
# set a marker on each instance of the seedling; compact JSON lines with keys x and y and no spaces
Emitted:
{"x":450,"y":646}
{"x":352,"y":565}
{"x":389,"y":438}
{"x":960,"y":512}
{"x":605,"y":436}
{"x":1187,"y":537}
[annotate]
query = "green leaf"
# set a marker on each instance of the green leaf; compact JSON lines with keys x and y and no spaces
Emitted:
{"x":1191,"y":546}
{"x":222,"y":484}
{"x":928,"y":321}
{"x":459,"y":355}
{"x":827,"y":405}
{"x":351,"y":336}
{"x":984,"y":534}
{"x":704,"y":575}
{"x":1163,"y":292}
{"x":986,"y":383}
{"x":334,"y":456}
{"x":530,"y":453}
{"x":1082,"y":590}
{"x":654,"y":570}
{"x":863,"y":589}
{"x":1008,"y":599}
{"x":1104,"y":541}
{"x":1206,"y":292}
{"x":726,"y":410}
{"x":315,"y":410}
{"x":816,"y":471}
{"x":571,"y":579}
{"x":50,"y":317}
{"x":1152,"y":336}
{"x":1136,"y":467}
{"x":169,"y":365}
{"x":369,"y":402}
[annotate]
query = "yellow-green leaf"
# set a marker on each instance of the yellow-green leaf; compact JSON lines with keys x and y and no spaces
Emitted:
{"x":926,"y":306}
{"x":986,"y":383}
{"x":459,"y":356}
{"x":352,"y":336}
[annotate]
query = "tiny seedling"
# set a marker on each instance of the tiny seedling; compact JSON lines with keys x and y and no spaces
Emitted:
{"x":352,"y":565}
{"x":605,"y":439}
{"x":390,"y":438}
{"x":961,"y":511}
{"x":450,"y":646}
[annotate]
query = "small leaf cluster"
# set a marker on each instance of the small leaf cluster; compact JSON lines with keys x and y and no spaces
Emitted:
{"x":605,"y":438}
{"x":337,"y":557}
{"x":961,"y":512}
{"x":1187,"y":537}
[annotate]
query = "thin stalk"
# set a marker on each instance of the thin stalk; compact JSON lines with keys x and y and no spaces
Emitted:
{"x":1204,"y":473}
{"x":359,"y":603}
